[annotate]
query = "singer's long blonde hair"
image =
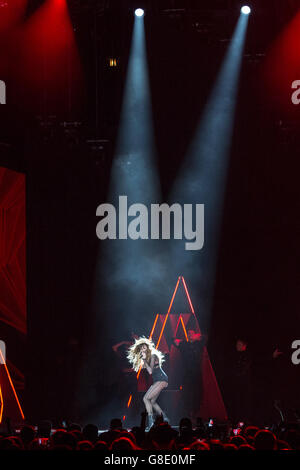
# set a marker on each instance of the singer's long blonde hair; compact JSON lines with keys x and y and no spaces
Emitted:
{"x":134,"y":353}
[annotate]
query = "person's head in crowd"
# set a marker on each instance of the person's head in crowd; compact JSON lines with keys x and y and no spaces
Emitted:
{"x":230,"y":446}
{"x":200,"y":430}
{"x":71,"y":439}
{"x":250,"y":441}
{"x":57,"y":438}
{"x":185,"y":426}
{"x":84,"y":445}
{"x":158,"y":420}
{"x":74,"y":427}
{"x":198,"y":445}
{"x":44,"y":428}
{"x":123,"y":443}
{"x":18,"y":441}
{"x":116,"y":424}
{"x":139,"y":435}
{"x":245,"y":447}
{"x":283,"y":445}
{"x":250,"y":431}
{"x":265,"y":440}
{"x":130,"y":435}
{"x":162,"y":435}
{"x":110,"y":436}
{"x":7,"y":443}
{"x":216,"y":444}
{"x":64,"y":438}
{"x":238,"y":440}
{"x":36,"y":444}
{"x":77,"y":434}
{"x":90,"y":432}
{"x":101,"y":445}
{"x":292,"y":437}
{"x":186,"y":434}
{"x":27,"y":434}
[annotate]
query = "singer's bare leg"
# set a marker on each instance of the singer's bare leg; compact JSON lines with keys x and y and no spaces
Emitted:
{"x":147,"y":401}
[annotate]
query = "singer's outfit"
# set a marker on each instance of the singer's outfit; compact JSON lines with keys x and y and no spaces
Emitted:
{"x":158,"y":375}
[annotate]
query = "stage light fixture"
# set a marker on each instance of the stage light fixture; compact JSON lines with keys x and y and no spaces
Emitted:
{"x":139,"y":12}
{"x":113,"y":62}
{"x":246,"y":10}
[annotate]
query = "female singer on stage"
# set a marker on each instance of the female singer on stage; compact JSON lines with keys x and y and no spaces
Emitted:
{"x":143,"y":354}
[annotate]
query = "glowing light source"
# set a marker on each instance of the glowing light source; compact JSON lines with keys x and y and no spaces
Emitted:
{"x":246,"y":10}
{"x":113,"y":62}
{"x":139,"y":12}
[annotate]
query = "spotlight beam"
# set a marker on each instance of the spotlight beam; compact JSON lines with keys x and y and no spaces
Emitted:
{"x":134,"y":169}
{"x":202,"y":178}
{"x":128,"y":270}
{"x":134,"y":174}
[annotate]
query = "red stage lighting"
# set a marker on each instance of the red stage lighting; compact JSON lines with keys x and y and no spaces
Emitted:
{"x":282,"y":66}
{"x":49,"y":65}
{"x":11,"y":13}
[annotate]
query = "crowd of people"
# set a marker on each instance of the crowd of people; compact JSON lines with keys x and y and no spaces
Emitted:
{"x":161,"y":436}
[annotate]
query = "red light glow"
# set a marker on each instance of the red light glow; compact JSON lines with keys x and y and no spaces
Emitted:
{"x":11,"y":13}
{"x":282,"y":65}
{"x":49,"y":65}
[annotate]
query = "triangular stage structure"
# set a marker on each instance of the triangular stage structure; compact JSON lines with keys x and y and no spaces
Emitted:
{"x":174,"y":325}
{"x":10,"y":406}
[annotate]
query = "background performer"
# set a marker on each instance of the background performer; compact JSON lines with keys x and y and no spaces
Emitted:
{"x":192,"y":355}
